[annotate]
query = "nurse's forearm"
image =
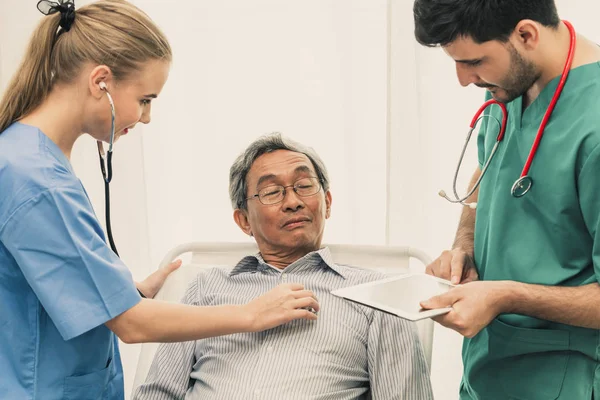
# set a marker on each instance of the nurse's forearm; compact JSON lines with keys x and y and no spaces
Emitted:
{"x":465,"y":233}
{"x":158,"y":321}
{"x":576,"y":306}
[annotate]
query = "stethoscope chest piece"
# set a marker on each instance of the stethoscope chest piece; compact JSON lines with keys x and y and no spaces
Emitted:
{"x":522,"y":186}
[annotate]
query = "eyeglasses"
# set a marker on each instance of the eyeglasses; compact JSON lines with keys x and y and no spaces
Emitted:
{"x":274,"y":194}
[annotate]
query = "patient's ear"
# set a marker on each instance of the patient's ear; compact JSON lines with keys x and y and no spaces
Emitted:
{"x":327,"y":204}
{"x":241,"y":219}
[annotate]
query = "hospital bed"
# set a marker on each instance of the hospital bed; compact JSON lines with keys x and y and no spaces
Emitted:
{"x":388,"y":260}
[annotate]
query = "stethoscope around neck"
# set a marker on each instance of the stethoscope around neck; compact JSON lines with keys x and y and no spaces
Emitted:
{"x":106,"y":167}
{"x":522,"y":185}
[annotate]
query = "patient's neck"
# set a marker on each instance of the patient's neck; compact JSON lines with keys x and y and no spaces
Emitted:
{"x":280,"y":258}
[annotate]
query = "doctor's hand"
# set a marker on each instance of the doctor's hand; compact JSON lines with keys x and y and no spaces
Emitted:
{"x":280,"y":305}
{"x":474,"y":306}
{"x":454,"y":265}
{"x":152,"y":284}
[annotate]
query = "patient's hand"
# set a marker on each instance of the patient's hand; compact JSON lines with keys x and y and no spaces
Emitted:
{"x":454,"y":265}
{"x":280,"y":305}
{"x":152,"y":284}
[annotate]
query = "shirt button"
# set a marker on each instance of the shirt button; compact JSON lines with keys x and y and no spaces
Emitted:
{"x":283,"y":277}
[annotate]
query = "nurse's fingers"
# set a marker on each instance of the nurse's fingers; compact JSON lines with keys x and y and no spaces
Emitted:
{"x":171,"y":267}
{"x":304,"y":293}
{"x":280,"y":305}
{"x":302,"y":314}
{"x":292,"y":286}
{"x":162,"y":273}
{"x":306,"y":303}
{"x":154,"y":282}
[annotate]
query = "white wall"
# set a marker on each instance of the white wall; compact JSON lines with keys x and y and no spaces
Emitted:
{"x":345,"y":77}
{"x":427,"y":132}
{"x":312,"y":70}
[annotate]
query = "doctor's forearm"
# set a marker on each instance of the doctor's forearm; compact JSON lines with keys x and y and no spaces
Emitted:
{"x":158,"y":321}
{"x":465,"y":234}
{"x":576,"y":306}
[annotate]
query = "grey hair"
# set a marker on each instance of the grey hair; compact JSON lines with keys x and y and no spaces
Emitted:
{"x":238,"y":187}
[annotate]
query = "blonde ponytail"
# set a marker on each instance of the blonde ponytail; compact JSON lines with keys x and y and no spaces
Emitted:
{"x":114,"y":33}
{"x":33,"y":80}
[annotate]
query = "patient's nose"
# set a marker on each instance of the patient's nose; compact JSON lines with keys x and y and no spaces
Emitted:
{"x":291,"y":200}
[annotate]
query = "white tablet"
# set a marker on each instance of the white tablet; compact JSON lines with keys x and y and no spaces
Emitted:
{"x":399,"y":295}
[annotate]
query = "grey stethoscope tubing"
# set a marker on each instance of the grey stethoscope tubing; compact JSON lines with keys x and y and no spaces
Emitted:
{"x":478,"y":116}
{"x":522,"y":185}
{"x":106,"y":167}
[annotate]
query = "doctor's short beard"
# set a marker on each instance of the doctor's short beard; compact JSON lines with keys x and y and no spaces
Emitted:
{"x":522,"y":75}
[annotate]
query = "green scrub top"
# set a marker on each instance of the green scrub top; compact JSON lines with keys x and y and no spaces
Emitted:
{"x":550,"y":237}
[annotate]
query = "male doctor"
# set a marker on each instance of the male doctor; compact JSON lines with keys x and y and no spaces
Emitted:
{"x":528,"y":261}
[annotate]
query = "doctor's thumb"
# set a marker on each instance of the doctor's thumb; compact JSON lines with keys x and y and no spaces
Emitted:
{"x":440,"y":301}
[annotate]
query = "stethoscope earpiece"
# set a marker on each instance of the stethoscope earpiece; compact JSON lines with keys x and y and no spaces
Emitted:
{"x":472,"y":206}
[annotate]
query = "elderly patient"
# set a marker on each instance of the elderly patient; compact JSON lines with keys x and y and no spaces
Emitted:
{"x":280,"y":192}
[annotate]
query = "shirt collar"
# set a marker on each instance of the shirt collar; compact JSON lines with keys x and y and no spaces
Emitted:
{"x":322,"y":257}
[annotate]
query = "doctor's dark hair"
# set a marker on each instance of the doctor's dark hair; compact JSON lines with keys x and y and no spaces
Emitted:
{"x":114,"y":33}
{"x":238,"y":185}
{"x":440,"y":22}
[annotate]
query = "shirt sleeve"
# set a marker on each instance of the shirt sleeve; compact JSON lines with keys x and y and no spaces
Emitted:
{"x":397,"y":365}
{"x":169,"y":375}
{"x":588,"y":185}
{"x":59,"y":246}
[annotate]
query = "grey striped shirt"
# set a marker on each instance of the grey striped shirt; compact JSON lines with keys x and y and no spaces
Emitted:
{"x":349,"y":351}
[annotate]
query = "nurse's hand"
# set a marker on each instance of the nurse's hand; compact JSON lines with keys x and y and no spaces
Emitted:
{"x":474,"y":306}
{"x":152,"y":284}
{"x":454,"y":265}
{"x":282,"y":304}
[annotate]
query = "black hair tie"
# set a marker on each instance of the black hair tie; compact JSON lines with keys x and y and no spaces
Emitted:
{"x":66,"y":8}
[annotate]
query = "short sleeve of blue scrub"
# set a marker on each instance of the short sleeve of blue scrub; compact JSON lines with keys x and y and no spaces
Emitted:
{"x":59,"y":281}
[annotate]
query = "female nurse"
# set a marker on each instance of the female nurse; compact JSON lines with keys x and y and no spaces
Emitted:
{"x":65,"y":296}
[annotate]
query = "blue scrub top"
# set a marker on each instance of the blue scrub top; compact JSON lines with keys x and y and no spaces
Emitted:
{"x":59,"y":281}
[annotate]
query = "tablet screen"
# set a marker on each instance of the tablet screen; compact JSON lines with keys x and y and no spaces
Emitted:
{"x":400,"y":295}
{"x":406,"y":293}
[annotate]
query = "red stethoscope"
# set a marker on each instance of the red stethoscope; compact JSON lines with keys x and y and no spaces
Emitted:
{"x":524,"y":183}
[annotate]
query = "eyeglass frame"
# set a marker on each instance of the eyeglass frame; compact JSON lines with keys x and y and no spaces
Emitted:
{"x":257,"y":195}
